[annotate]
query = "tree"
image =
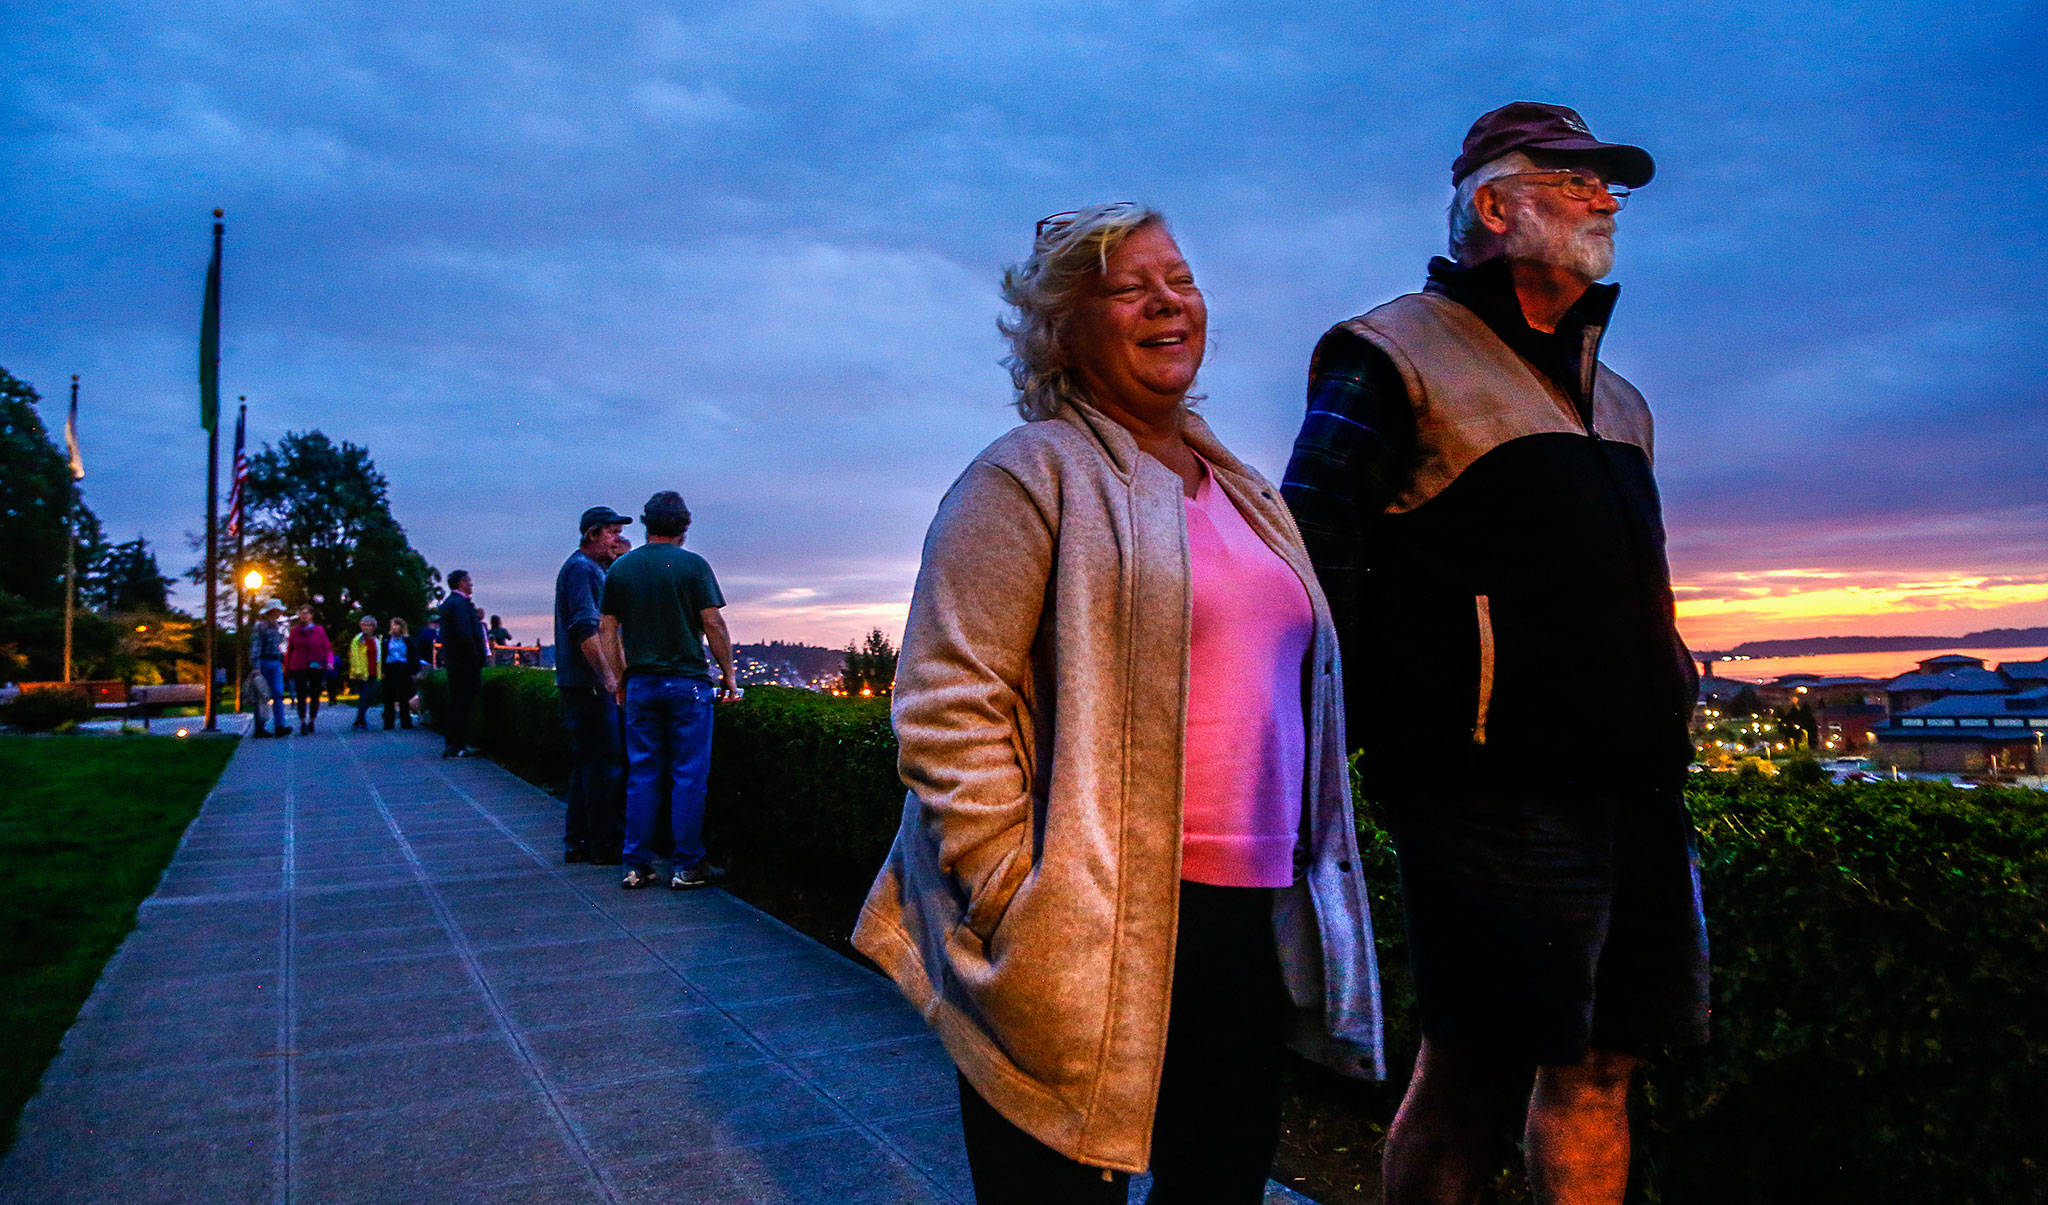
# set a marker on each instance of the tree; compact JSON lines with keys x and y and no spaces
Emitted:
{"x":35,"y":479}
{"x":318,"y":522}
{"x":1797,"y":726}
{"x":870,"y":667}
{"x":126,"y":578}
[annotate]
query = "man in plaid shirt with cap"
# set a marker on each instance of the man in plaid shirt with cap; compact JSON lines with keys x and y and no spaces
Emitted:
{"x":1475,"y":487}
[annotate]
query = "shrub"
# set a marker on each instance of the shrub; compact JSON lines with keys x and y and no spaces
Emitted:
{"x":1880,"y":970}
{"x":1805,"y":771}
{"x":802,"y":780}
{"x":47,"y":708}
{"x":1880,"y":950}
{"x":517,"y":719}
{"x":807,"y":781}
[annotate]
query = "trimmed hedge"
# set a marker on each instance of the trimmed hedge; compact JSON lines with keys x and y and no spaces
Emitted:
{"x":517,"y":720}
{"x":1880,"y":951}
{"x":47,"y":708}
{"x":805,"y":781}
{"x":1880,"y":962}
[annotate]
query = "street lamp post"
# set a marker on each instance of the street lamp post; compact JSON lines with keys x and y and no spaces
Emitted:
{"x":251,"y":582}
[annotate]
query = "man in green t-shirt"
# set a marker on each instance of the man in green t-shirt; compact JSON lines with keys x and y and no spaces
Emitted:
{"x":660,"y":608}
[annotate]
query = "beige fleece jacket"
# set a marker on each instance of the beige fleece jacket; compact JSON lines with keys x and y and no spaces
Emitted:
{"x":1029,"y":903}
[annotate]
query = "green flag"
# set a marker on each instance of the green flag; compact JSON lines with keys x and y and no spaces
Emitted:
{"x":209,"y":341}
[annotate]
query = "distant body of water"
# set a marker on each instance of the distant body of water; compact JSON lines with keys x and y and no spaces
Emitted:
{"x":1862,"y":665}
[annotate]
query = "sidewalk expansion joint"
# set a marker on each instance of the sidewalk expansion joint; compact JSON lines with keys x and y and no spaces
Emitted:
{"x":474,"y":967}
{"x":786,"y":1063}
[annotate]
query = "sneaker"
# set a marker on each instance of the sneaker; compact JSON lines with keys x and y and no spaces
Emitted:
{"x":638,"y":877}
{"x":577,"y":853}
{"x":703,"y":874}
{"x":259,"y":734}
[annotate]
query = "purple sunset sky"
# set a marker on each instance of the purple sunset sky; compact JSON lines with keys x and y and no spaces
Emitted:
{"x":538,"y":257}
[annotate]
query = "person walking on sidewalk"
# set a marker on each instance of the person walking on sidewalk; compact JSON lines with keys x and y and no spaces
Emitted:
{"x":365,"y":667}
{"x":397,"y":679}
{"x":308,"y":656}
{"x":661,"y":604}
{"x":593,"y":827}
{"x":266,"y":665}
{"x":463,"y":651}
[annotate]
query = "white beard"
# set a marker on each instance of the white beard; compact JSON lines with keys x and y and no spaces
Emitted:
{"x":1586,"y":250}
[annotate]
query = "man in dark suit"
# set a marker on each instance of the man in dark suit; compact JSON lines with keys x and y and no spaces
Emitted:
{"x":463,"y":651}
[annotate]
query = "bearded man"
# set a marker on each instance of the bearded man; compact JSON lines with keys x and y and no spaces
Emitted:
{"x":1475,"y":488}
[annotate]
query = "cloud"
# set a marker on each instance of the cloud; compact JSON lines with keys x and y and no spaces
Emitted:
{"x":751,"y":251}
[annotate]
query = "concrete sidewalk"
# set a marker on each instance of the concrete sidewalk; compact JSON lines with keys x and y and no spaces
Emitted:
{"x":367,"y":976}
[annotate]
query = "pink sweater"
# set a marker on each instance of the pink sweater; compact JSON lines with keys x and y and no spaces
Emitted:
{"x":1245,"y":743}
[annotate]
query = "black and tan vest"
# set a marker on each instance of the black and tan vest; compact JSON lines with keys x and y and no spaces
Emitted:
{"x":1471,"y":393}
{"x":1515,"y":587}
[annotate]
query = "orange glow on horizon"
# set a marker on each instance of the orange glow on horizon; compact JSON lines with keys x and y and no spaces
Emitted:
{"x":1722,"y":610}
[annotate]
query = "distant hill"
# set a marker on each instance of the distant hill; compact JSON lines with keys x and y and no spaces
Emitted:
{"x":1815,"y":646}
{"x":807,"y":659}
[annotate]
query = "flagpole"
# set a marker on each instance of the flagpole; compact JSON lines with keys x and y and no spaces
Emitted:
{"x":235,"y":574}
{"x":209,"y":413}
{"x":70,"y":532}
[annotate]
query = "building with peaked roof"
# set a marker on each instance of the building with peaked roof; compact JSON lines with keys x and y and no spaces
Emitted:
{"x":1940,"y":677}
{"x":2025,"y":673}
{"x":1969,"y":734}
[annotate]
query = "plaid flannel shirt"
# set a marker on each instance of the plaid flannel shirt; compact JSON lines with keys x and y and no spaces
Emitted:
{"x":1351,"y":459}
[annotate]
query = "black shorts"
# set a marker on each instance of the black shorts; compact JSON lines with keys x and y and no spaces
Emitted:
{"x":1540,"y":927}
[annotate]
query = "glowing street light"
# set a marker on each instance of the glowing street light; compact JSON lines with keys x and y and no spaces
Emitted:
{"x":252,"y":581}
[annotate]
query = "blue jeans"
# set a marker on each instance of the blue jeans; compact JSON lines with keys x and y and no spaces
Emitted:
{"x":272,"y":670}
{"x":668,"y":746}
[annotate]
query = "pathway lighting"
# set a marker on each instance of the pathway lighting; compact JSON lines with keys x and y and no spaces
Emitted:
{"x":252,"y":581}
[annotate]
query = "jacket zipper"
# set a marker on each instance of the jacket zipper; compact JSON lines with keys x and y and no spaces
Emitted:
{"x":1483,"y":610}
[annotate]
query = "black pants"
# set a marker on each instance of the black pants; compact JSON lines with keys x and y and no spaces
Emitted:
{"x":1218,"y":1120}
{"x":597,"y":784}
{"x":309,"y":682}
{"x":463,"y":683}
{"x":364,"y":688}
{"x":397,"y":694}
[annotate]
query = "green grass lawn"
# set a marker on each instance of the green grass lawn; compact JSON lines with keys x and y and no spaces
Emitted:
{"x":87,"y":824}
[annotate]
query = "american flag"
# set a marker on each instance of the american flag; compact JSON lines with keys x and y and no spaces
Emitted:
{"x":238,"y":475}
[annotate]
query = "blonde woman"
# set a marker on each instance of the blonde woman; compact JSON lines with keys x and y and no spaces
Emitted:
{"x":1126,"y":872}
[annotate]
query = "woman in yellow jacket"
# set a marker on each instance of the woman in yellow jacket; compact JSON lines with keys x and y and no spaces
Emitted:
{"x":365,"y":662}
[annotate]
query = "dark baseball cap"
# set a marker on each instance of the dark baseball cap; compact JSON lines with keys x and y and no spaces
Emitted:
{"x":1528,"y":125}
{"x":600,"y":516}
{"x":665,"y":510}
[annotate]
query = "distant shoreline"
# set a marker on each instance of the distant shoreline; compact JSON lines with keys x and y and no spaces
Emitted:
{"x":1817,"y":646}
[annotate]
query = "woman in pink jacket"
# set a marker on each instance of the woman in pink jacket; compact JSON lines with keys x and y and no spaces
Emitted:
{"x":308,"y":656}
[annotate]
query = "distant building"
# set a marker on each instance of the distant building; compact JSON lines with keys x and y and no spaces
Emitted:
{"x":1969,"y":733}
{"x":1719,"y":693}
{"x":1940,"y":677}
{"x":2025,"y":674}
